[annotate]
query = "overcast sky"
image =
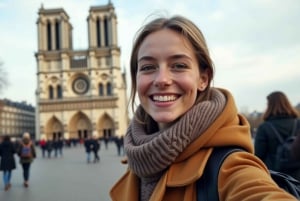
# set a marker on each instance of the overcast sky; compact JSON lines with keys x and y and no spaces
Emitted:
{"x":255,"y":44}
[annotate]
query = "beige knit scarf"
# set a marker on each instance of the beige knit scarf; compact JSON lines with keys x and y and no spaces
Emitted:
{"x":149,"y":154}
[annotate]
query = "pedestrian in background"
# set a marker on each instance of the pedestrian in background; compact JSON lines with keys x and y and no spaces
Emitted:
{"x":106,"y":141}
{"x":181,"y":119}
{"x":43,"y":145}
{"x":27,"y":154}
{"x":119,"y":141}
{"x":283,"y":116}
{"x":56,"y":145}
{"x":96,"y":148}
{"x":49,"y":147}
{"x":7,"y":163}
{"x":88,"y":145}
{"x":60,"y":146}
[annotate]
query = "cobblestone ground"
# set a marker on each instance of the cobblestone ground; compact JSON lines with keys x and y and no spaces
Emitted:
{"x":67,"y":178}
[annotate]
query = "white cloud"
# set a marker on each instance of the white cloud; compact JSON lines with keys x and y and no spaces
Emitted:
{"x":254,"y":44}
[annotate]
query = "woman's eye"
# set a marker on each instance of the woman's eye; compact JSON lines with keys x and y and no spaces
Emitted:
{"x":147,"y":68}
{"x":179,"y":66}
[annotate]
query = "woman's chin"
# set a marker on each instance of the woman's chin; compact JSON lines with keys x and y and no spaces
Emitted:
{"x":164,"y":122}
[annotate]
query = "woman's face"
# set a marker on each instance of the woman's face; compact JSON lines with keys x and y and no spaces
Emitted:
{"x":168,"y":76}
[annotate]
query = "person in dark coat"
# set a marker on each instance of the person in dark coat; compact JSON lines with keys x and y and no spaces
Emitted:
{"x":96,"y":148}
{"x":119,"y":141}
{"x":56,"y":145}
{"x":282,"y":115}
{"x":88,"y":144}
{"x":26,"y":161}
{"x":7,"y":163}
{"x":49,"y":147}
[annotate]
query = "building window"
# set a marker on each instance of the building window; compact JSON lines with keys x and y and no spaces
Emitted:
{"x":109,"y":89}
{"x":51,"y":92}
{"x":106,"y":33}
{"x":80,"y":85}
{"x":98,"y":32}
{"x":49,"y":36}
{"x":59,"y":91}
{"x":57,"y":35}
{"x":101,"y":92}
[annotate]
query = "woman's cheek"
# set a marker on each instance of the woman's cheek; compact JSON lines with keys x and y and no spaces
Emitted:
{"x":141,"y":85}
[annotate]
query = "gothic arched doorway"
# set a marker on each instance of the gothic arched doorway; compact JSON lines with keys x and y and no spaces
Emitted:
{"x":54,"y":129}
{"x":80,"y":126}
{"x":105,"y":126}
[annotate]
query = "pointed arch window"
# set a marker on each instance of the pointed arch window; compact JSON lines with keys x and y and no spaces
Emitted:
{"x":101,"y":91}
{"x":49,"y":36}
{"x":57,"y":35}
{"x":109,"y":89}
{"x":98,"y":32}
{"x":51,"y":92}
{"x":106,"y":31}
{"x":59,"y":91}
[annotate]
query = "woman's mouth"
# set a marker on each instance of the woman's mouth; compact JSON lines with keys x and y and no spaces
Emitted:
{"x":164,"y":98}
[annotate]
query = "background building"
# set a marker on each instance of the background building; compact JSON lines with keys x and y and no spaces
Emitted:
{"x":16,"y":118}
{"x":79,"y":92}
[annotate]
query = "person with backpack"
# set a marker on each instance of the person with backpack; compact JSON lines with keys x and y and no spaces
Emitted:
{"x":26,"y":154}
{"x":296,"y":148}
{"x":7,"y":162}
{"x":181,"y":120}
{"x":281,"y":122}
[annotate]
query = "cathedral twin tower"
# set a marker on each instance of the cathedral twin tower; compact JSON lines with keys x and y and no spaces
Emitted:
{"x":79,"y":92}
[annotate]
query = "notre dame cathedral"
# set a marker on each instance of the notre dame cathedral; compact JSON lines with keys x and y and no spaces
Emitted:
{"x":79,"y":92}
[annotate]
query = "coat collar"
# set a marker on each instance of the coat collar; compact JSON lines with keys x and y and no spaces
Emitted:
{"x":188,"y":171}
{"x":126,"y":188}
{"x":179,"y":174}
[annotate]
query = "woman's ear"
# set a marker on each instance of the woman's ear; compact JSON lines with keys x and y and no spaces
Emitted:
{"x":203,"y":82}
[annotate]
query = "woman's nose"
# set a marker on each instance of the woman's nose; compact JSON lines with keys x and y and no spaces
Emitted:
{"x":162,"y":78}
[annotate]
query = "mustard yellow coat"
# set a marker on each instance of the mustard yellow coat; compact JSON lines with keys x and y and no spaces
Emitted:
{"x":243,"y":177}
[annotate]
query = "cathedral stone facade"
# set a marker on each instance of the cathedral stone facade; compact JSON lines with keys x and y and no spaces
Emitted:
{"x":79,"y":92}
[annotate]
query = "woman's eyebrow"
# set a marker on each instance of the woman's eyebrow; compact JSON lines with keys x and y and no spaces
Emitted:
{"x":179,"y":56}
{"x":146,"y":58}
{"x":176,"y":56}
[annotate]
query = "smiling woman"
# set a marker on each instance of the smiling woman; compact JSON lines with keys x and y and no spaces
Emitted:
{"x":168,"y":77}
{"x":181,"y":119}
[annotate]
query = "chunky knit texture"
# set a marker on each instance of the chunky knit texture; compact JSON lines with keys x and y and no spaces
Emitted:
{"x":149,"y":154}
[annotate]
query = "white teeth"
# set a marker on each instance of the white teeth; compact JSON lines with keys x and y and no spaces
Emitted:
{"x":164,"y":98}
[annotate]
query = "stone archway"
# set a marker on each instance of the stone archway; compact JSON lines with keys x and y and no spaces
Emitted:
{"x":105,"y":127}
{"x":54,"y":129}
{"x":80,"y":126}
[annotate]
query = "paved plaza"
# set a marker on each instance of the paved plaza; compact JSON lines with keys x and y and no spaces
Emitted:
{"x":69,"y":178}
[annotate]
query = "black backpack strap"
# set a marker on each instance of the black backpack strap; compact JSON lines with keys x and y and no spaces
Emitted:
{"x":207,"y":185}
{"x":281,"y":141}
{"x":294,"y":130}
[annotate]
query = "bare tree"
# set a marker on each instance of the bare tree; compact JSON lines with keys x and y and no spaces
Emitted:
{"x":3,"y":77}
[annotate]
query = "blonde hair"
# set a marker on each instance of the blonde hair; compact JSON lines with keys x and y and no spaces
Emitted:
{"x":26,"y":135}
